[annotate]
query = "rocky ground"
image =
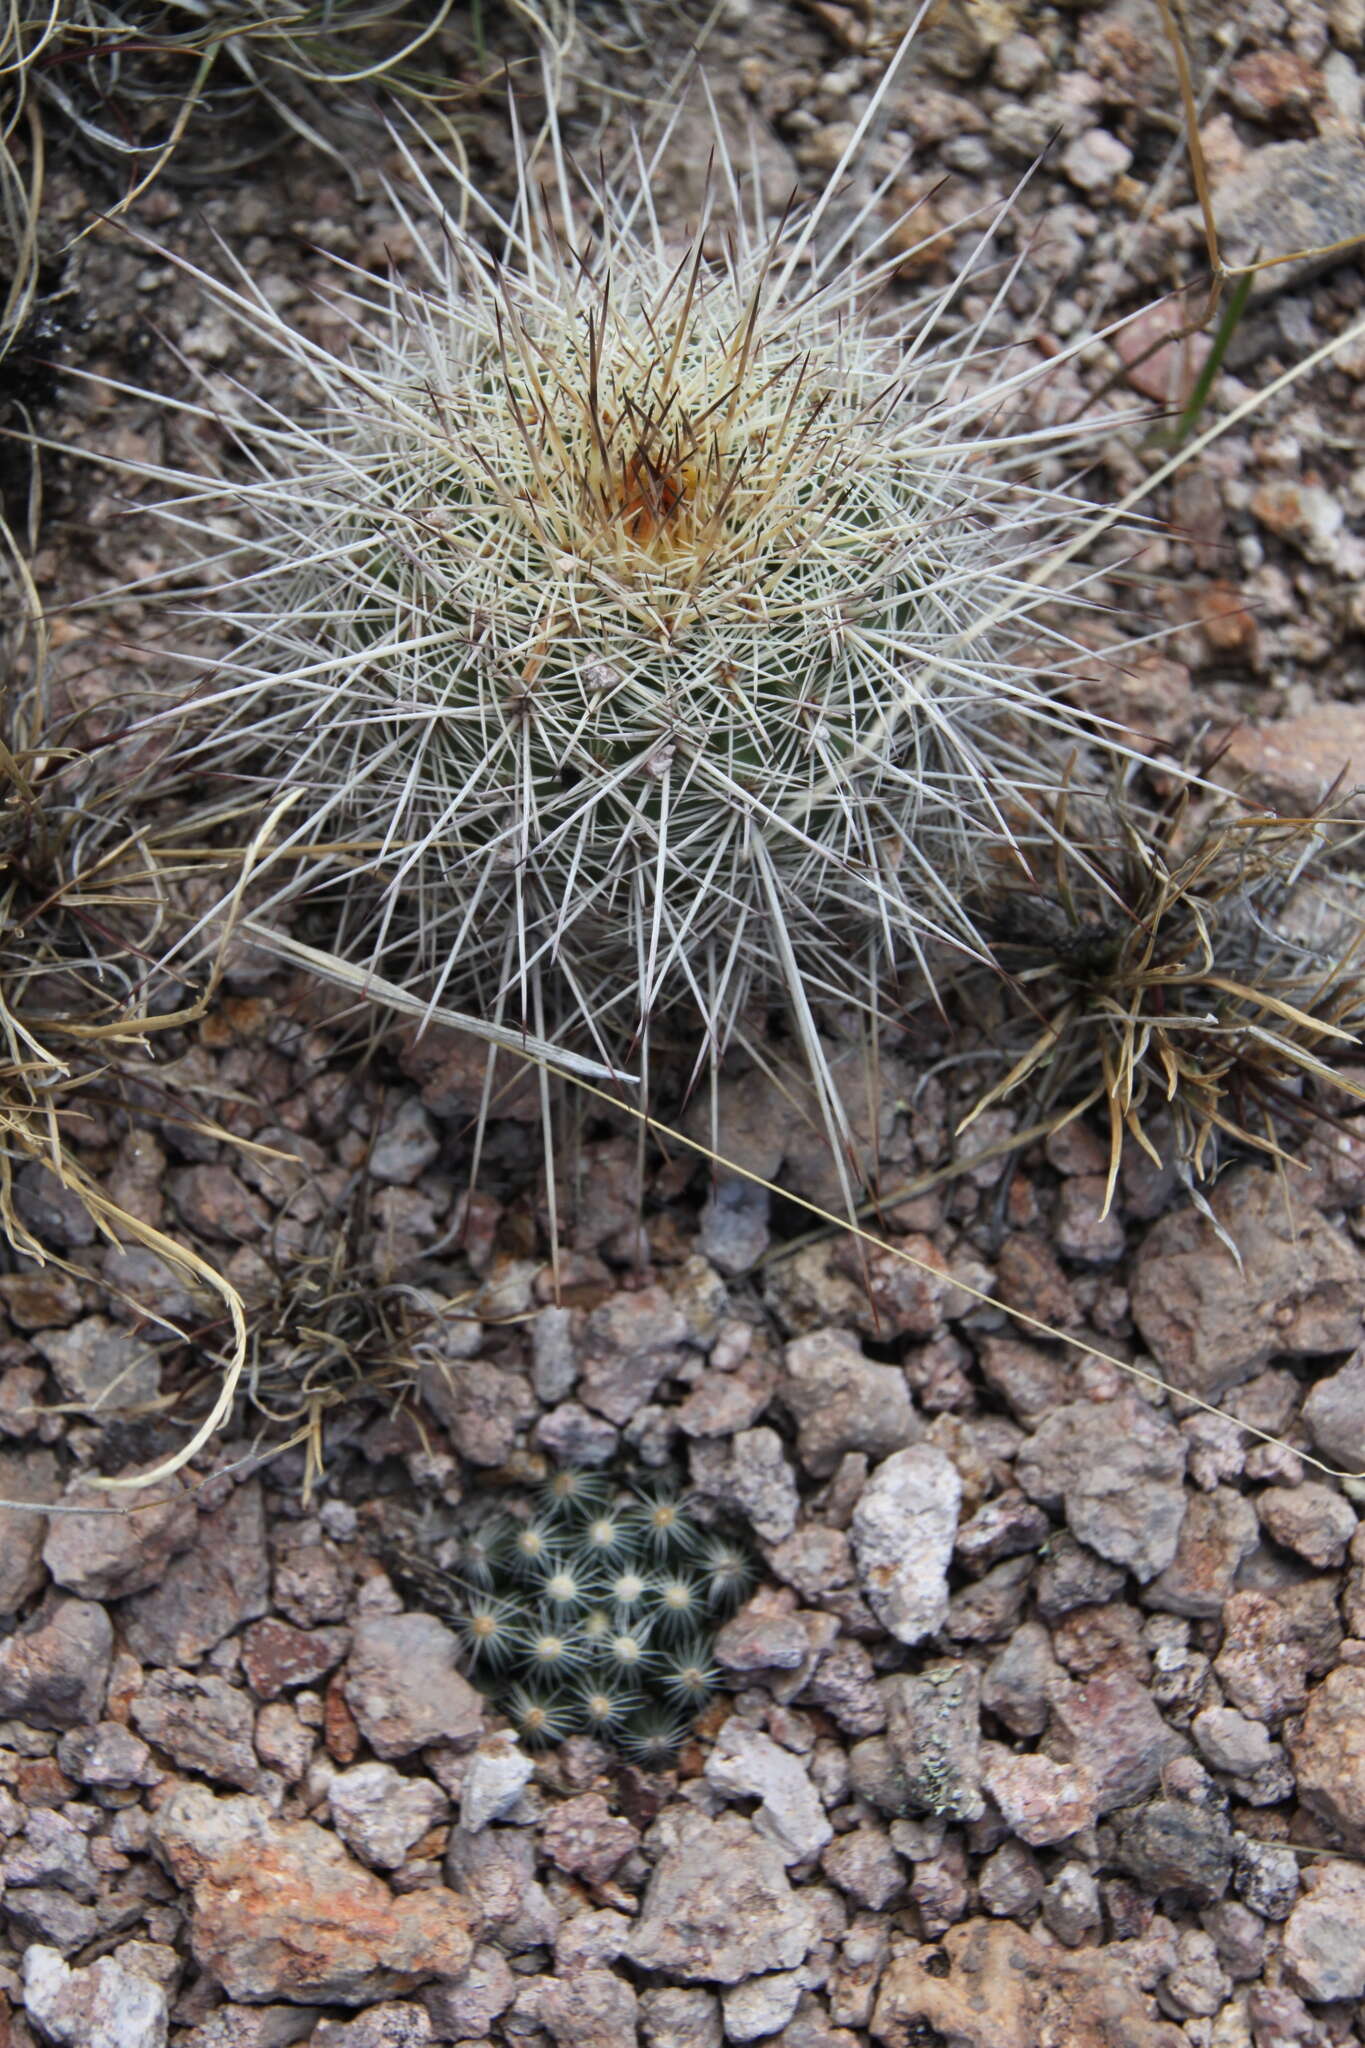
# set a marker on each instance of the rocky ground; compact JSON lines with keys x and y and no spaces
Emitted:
{"x":1046,"y":1723}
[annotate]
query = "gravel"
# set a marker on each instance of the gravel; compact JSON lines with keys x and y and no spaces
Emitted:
{"x":1044,"y":1671}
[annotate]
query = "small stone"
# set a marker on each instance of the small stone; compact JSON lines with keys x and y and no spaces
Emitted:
{"x":465,"y":2009}
{"x":383,"y":2026}
{"x":1276,"y":2015}
{"x":865,"y":1866}
{"x":1266,"y":1877}
{"x":402,"y":1685}
{"x":1161,"y":357}
{"x":382,"y":1815}
{"x":1010,"y":1883}
{"x":903,"y":1531}
{"x":1328,"y":1749}
{"x":722,"y":1403}
{"x":481,"y":1406}
{"x":52,"y":1851}
{"x":1334,"y":1415}
{"x":815,"y":1560}
{"x":51,"y":1916}
{"x":1029,"y":1380}
{"x":675,"y":2018}
{"x":107,"y":1755}
{"x":209,"y":1590}
{"x":1231,"y":1742}
{"x":1211,"y":1323}
{"x":107,"y":2005}
{"x":202,"y":1723}
{"x":1094,"y":159}
{"x":843,"y":1402}
{"x":598,"y":1935}
{"x":1071,"y":1905}
{"x":1217,"y":1533}
{"x":987,"y":1609}
{"x":1196,"y":1986}
{"x":1072,"y":1576}
{"x":1029,"y":1278}
{"x":21,"y":1397}
{"x":495,"y":1872}
{"x":1313,"y":519}
{"x":1111,"y":1725}
{"x":845,"y":1686}
{"x":313,"y":1582}
{"x":284,"y":1742}
{"x":1116,"y":1468}
{"x":1324,"y":1936}
{"x":750,"y":1475}
{"x":1262,"y":1666}
{"x":277,"y":1657}
{"x":939,"y":1889}
{"x":1242,"y":1939}
{"x":405,"y":1147}
{"x":587,"y":2008}
{"x":497,"y":1774}
{"x":30,"y":1476}
{"x":767,"y":1635}
{"x":630,"y":1344}
{"x":1289,"y":764}
{"x":586,"y":1839}
{"x":280,"y":1911}
{"x":39,"y":1297}
{"x":554,"y":1366}
{"x":1169,"y":1846}
{"x":1312,"y":1520}
{"x":213,"y":1201}
{"x":761,"y":2007}
{"x":719,"y":1909}
{"x":1085,"y":1231}
{"x":55,"y":1214}
{"x":748,"y":1765}
{"x":934,"y":1725}
{"x":54,"y":1670}
{"x":1040,"y":1801}
{"x":1007,"y":1526}
{"x":122,"y":1545}
{"x":1021,"y":1683}
{"x":572,"y":1436}
{"x":733,"y":1232}
{"x":101,"y":1367}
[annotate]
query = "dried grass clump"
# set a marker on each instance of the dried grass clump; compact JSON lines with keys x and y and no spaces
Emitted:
{"x":82,"y":904}
{"x":335,"y":1328}
{"x":1191,"y":972}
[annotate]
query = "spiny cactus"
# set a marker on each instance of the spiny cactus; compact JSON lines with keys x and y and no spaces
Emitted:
{"x":595,"y":1614}
{"x":646,"y":620}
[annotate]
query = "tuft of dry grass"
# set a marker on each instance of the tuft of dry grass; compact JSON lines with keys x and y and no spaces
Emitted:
{"x":1191,"y":972}
{"x":82,"y":903}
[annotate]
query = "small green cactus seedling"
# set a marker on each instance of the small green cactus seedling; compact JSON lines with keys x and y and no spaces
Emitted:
{"x":615,"y":1645}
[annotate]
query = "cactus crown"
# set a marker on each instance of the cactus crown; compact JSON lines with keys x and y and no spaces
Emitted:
{"x":644,"y":620}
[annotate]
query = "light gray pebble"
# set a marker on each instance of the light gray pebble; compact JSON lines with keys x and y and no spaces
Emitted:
{"x":381,"y":1814}
{"x":903,"y":1530}
{"x":107,"y":2005}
